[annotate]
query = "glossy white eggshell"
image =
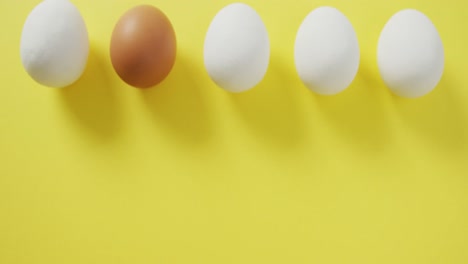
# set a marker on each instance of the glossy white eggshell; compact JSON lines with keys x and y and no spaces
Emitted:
{"x":54,"y":43}
{"x":410,"y":54}
{"x":326,"y":51}
{"x":237,"y":48}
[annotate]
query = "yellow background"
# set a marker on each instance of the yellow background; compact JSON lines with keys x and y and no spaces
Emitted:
{"x":186,"y":173}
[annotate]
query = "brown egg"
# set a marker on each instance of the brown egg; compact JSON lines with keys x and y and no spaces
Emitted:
{"x":143,"y":46}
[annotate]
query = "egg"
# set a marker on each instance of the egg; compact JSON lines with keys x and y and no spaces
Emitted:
{"x":143,"y":46}
{"x":410,"y":54}
{"x":326,"y":51}
{"x":236,"y":48}
{"x":54,"y":44}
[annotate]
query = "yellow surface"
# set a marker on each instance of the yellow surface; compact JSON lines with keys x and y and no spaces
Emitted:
{"x":187,"y":173}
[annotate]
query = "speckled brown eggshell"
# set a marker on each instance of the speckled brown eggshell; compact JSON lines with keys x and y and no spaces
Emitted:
{"x":143,"y":46}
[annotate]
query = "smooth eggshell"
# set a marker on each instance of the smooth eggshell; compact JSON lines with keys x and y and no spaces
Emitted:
{"x":236,"y":49}
{"x":326,"y":51}
{"x":54,"y":43}
{"x":143,"y":46}
{"x":410,"y":54}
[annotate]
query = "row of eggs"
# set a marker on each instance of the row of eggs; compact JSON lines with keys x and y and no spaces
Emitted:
{"x":54,"y":49}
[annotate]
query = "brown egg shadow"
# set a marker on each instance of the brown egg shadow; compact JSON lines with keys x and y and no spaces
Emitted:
{"x":91,"y":101}
{"x":180,"y":104}
{"x":438,"y":118}
{"x":359,"y":114}
{"x":272,"y":110}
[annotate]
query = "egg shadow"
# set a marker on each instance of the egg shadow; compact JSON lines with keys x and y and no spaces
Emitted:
{"x":179,"y":103}
{"x":272,"y":110}
{"x":438,"y":118}
{"x":360,"y":114}
{"x":91,"y":100}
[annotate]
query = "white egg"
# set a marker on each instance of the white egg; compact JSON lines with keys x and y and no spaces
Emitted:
{"x":54,"y":43}
{"x":410,"y":54}
{"x":326,"y":51}
{"x":237,"y":48}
